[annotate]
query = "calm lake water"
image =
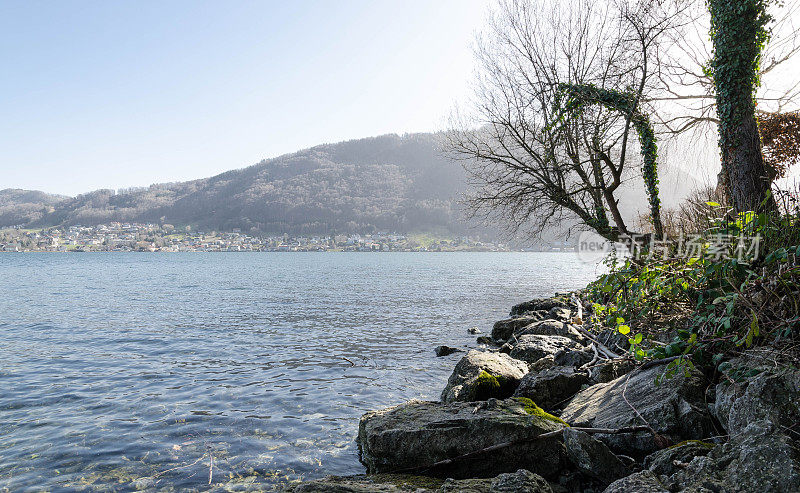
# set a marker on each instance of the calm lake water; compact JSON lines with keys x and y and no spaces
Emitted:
{"x":125,"y":371}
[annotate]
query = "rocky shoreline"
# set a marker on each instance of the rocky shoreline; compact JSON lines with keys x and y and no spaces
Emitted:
{"x":549,"y":405}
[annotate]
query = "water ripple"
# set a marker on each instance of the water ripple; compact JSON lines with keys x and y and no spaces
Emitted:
{"x":122,"y":371}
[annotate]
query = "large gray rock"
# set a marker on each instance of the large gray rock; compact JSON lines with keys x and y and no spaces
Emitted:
{"x":608,"y":370}
{"x":592,"y":457}
{"x":551,"y":327}
{"x":572,"y":357}
{"x":762,"y":453}
{"x":481,"y":375}
{"x":765,"y":396}
{"x":760,"y":458}
{"x":545,"y":304}
{"x":641,"y":482}
{"x":560,"y":313}
{"x":532,"y":348}
{"x":521,"y":481}
{"x":668,"y":461}
{"x":416,"y":435}
{"x":552,"y":387}
{"x":675,"y":409}
{"x":504,"y":329}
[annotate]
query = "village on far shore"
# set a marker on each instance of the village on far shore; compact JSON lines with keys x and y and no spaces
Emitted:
{"x":148,"y":237}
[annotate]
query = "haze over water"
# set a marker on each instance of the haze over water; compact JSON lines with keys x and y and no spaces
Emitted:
{"x":135,"y":370}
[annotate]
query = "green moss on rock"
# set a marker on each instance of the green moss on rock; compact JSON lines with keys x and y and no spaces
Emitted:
{"x":701,"y":443}
{"x":485,"y":387}
{"x":531,"y":408}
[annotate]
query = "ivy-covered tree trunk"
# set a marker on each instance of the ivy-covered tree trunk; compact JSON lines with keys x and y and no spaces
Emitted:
{"x":738,"y":31}
{"x":747,"y":176}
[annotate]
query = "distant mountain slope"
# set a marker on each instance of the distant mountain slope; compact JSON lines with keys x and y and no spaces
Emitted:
{"x":25,"y":206}
{"x":392,"y":183}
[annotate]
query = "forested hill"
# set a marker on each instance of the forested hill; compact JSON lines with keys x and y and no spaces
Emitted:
{"x":391,"y":182}
{"x":387,"y":183}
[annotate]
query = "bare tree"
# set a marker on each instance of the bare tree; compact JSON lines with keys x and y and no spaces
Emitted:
{"x":687,"y":100}
{"x":526,"y":167}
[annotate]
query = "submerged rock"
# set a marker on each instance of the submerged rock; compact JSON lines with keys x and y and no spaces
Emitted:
{"x":446,"y":350}
{"x":416,"y":435}
{"x":480,"y":375}
{"x":474,"y":331}
{"x":675,"y":409}
{"x":532,"y":348}
{"x":551,"y":387}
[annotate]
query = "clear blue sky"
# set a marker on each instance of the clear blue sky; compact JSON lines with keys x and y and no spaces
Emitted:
{"x":110,"y":94}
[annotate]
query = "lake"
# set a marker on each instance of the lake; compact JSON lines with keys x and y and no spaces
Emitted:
{"x":239,"y":370}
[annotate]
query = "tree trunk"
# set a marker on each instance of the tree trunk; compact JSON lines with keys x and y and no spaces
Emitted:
{"x":746,"y":177}
{"x":739,"y":32}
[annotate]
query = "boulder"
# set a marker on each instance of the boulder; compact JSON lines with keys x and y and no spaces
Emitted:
{"x":446,"y":350}
{"x":608,"y":370}
{"x":560,"y":313}
{"x":416,"y":435}
{"x":481,"y":375}
{"x":545,"y":304}
{"x":760,"y":458}
{"x":551,"y":387}
{"x":531,"y":348}
{"x":521,"y":481}
{"x":474,"y":331}
{"x":668,"y":461}
{"x":552,"y":327}
{"x":571,"y":357}
{"x":641,"y":482}
{"x":675,"y":409}
{"x":592,"y":457}
{"x":504,"y":329}
{"x":759,"y":410}
{"x":764,"y":395}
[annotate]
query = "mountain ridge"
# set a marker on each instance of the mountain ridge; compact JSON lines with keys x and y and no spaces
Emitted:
{"x":391,"y":182}
{"x":388,"y":182}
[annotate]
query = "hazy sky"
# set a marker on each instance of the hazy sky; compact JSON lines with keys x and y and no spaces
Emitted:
{"x":110,"y":94}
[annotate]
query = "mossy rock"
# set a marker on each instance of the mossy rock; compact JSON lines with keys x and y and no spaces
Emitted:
{"x":485,"y":387}
{"x":700,"y":443}
{"x":531,"y":408}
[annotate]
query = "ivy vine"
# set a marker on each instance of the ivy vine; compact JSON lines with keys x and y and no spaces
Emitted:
{"x":625,"y":102}
{"x":739,"y":31}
